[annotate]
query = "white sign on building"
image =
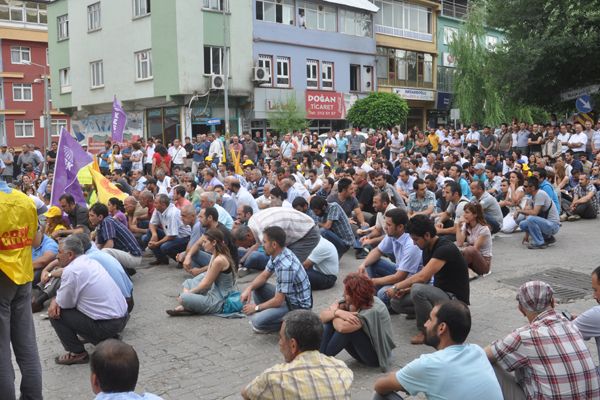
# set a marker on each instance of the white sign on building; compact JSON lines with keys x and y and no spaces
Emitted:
{"x":415,"y":94}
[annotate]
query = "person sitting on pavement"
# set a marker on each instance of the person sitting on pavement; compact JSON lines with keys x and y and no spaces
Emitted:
{"x":244,"y":213}
{"x":359,"y":324}
{"x":421,"y":200}
{"x":548,"y":355}
{"x":542,"y":221}
{"x":116,"y":209}
{"x":168,"y":235}
{"x":88,"y":303}
{"x":206,"y":292}
{"x":408,"y":257}
{"x":322,"y":265}
{"x":269,"y":303}
{"x":210,"y":199}
{"x":306,"y":373}
{"x":372,"y":236}
{"x":44,"y":251}
{"x":135,"y":214}
{"x":302,"y":234}
{"x":443,"y":261}
{"x":240,"y":194}
{"x":188,"y":217}
{"x":474,"y":239}
{"x":436,"y":375}
{"x":115,"y":239}
{"x":54,"y":221}
{"x":334,"y":224}
{"x":491,"y":209}
{"x":179,"y":199}
{"x":585,"y":201}
{"x":446,"y":223}
{"x":77,"y":214}
{"x":588,"y":322}
{"x":114,"y":367}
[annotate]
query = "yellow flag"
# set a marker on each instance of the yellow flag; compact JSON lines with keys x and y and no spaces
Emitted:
{"x":84,"y":176}
{"x":105,"y":189}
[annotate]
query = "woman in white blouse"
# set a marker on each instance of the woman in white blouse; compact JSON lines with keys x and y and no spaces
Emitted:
{"x":474,"y":238}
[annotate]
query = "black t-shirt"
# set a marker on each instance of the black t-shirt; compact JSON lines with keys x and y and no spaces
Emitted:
{"x":453,"y":277}
{"x":534,"y":138}
{"x":79,"y":218}
{"x":364,"y":195}
{"x":188,"y":148}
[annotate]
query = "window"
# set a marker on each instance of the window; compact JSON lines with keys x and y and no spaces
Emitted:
{"x":403,"y":67}
{"x":279,"y":11}
{"x":449,"y":34}
{"x":20,"y":55}
{"x":143,"y":65}
{"x":327,"y":75}
{"x":403,"y":19}
{"x":215,"y":5}
{"x":65,"y":80}
{"x":97,"y":74}
{"x":354,"y":78}
{"x":56,"y":126}
{"x":355,"y":23}
{"x":213,"y":60}
{"x":319,"y":17}
{"x":312,"y":74}
{"x":491,"y":42}
{"x":22,"y":92}
{"x":62,"y":24}
{"x":141,"y":8}
{"x":94,"y":22}
{"x":283,"y":72}
{"x":266,"y":62}
{"x":24,"y":129}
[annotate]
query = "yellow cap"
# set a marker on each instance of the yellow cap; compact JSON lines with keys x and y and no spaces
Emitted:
{"x":247,"y":162}
{"x":208,"y":158}
{"x":53,"y":212}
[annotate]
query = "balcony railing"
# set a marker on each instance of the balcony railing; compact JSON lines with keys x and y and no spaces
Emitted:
{"x":389,"y":30}
{"x":455,"y":9}
{"x":391,"y":81}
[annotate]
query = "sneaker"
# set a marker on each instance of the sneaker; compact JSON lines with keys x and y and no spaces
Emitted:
{"x":550,"y":240}
{"x":537,"y":247}
{"x":574,"y":217}
{"x":563,"y":217}
{"x":361,"y":254}
{"x":242,"y":272}
{"x":259,"y":331}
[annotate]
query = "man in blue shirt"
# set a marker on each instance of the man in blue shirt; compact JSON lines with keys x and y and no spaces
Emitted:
{"x":342,"y":146}
{"x":546,"y":186}
{"x":455,"y":371}
{"x":455,"y":172}
{"x":292,"y":291}
{"x":334,"y":224}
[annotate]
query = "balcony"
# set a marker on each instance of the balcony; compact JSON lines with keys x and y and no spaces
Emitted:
{"x":404,"y":33}
{"x":392,"y":81}
{"x":455,"y":8}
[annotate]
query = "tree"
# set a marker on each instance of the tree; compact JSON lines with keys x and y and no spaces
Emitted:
{"x":552,"y":46}
{"x":378,"y":110}
{"x":288,"y":117}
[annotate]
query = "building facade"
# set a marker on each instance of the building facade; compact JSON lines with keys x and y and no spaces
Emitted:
{"x":23,"y":69}
{"x":157,"y":58}
{"x":406,"y":35}
{"x":319,"y":53}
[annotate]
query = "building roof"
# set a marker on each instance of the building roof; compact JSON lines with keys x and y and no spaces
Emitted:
{"x":362,"y":4}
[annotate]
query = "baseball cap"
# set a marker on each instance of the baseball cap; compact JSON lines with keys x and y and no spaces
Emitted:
{"x":53,"y":212}
{"x":208,"y":158}
{"x":480,"y":166}
{"x":248,"y":162}
{"x":535,"y":296}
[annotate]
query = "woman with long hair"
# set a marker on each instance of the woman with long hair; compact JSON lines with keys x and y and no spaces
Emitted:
{"x":161,"y":160}
{"x":474,"y":238}
{"x":206,"y":292}
{"x":116,"y":209}
{"x":360,"y":324}
{"x":116,"y":159}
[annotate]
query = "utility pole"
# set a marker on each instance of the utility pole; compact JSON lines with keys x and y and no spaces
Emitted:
{"x":47,"y":121}
{"x":226,"y":65}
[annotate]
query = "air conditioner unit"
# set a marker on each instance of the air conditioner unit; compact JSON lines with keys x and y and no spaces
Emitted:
{"x":261,"y":74}
{"x":217,"y":82}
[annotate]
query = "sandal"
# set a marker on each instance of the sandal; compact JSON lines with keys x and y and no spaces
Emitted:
{"x":73,"y":358}
{"x":179,"y":313}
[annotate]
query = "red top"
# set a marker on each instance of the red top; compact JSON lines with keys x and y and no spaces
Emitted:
{"x":162,"y":162}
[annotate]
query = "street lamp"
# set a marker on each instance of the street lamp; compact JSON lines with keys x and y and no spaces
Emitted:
{"x":47,"y":117}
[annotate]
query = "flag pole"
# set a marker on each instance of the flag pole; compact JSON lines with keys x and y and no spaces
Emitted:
{"x":60,"y":138}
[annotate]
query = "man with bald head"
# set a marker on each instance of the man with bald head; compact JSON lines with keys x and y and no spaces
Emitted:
{"x":210,"y":199}
{"x":240,"y":194}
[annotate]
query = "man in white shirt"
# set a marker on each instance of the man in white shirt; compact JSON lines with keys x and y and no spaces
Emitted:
{"x":167,"y":235}
{"x":149,"y":155}
{"x":578,"y":140}
{"x":240,"y":194}
{"x":215,"y":150}
{"x":163,"y":182}
{"x":178,"y":154}
{"x":564,"y":136}
{"x":88,"y":303}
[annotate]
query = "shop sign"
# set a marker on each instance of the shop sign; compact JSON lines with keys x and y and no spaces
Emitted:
{"x":415,"y":94}
{"x":325,"y":105}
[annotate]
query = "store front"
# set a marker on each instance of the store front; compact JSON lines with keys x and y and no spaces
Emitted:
{"x":164,"y":123}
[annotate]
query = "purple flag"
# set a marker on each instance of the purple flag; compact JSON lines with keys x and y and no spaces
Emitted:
{"x":70,"y":158}
{"x":119,"y":120}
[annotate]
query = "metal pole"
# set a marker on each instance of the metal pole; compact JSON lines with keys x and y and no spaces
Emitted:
{"x":47,"y":121}
{"x":226,"y":68}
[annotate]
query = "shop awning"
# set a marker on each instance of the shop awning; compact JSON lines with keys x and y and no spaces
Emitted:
{"x":362,"y":4}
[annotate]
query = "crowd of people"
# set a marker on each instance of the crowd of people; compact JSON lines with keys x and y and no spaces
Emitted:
{"x":419,"y":209}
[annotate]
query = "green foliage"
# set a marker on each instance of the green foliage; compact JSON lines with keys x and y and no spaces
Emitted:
{"x":378,"y":110}
{"x":288,"y":117}
{"x":552,"y":46}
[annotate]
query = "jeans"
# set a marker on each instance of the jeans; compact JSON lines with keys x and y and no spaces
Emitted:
{"x":380,"y":269}
{"x":167,"y":249}
{"x":201,"y":259}
{"x":257,"y":260}
{"x":340,"y":246}
{"x":16,"y":328}
{"x":494,"y":226}
{"x":356,"y":343}
{"x":319,"y":280}
{"x":424,"y":298}
{"x":538,"y":227}
{"x":268,"y":320}
{"x":127,"y":260}
{"x":73,"y":322}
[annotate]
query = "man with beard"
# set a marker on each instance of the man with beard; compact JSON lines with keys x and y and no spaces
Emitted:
{"x":436,"y":374}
